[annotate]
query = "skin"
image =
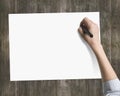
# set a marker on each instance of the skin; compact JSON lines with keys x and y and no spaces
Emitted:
{"x":107,"y":71}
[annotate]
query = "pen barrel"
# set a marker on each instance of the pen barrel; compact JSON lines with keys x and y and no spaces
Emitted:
{"x":86,"y":31}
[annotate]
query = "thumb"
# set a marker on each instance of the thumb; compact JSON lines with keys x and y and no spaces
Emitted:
{"x":80,"y":31}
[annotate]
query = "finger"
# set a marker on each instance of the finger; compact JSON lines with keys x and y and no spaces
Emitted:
{"x":85,"y":36}
{"x":80,"y":31}
{"x":84,"y":22}
{"x":87,"y":22}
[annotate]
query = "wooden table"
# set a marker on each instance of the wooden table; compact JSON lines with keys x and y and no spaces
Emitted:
{"x":110,"y":38}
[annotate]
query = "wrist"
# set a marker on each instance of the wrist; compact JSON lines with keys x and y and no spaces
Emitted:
{"x":97,"y":47}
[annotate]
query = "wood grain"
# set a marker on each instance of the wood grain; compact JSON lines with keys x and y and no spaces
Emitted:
{"x":110,"y":26}
{"x":115,"y":36}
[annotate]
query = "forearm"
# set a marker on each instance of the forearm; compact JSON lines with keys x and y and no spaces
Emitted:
{"x":107,"y":71}
{"x":111,"y":82}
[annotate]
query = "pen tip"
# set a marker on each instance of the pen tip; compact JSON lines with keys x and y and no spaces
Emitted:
{"x":91,"y":35}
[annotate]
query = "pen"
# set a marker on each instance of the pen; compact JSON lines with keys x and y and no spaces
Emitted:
{"x":85,"y":30}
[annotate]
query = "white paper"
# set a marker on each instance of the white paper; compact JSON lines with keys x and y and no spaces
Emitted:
{"x":47,"y":46}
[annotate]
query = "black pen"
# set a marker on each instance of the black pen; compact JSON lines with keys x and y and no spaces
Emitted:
{"x":86,"y":31}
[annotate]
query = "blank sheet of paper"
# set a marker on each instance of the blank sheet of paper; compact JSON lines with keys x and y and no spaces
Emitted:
{"x":47,"y":46}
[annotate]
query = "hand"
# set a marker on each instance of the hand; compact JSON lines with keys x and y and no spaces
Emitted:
{"x":93,"y":28}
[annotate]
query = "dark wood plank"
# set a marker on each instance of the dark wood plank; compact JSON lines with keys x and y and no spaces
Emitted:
{"x":36,"y":88}
{"x":115,"y":35}
{"x":105,"y":9}
{"x":6,"y":88}
{"x":63,"y":88}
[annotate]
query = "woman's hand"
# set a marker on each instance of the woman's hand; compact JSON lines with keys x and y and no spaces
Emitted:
{"x":93,"y":28}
